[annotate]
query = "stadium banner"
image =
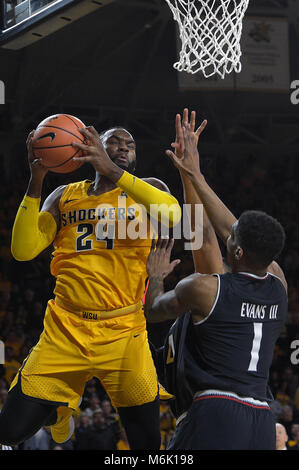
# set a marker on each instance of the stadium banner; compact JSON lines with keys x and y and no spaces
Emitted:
{"x":265,"y":55}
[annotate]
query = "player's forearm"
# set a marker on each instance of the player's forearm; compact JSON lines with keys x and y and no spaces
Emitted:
{"x":34,"y":188}
{"x":155,"y":288}
{"x":208,"y":258}
{"x":192,"y":198}
{"x":159,"y":305}
{"x":159,"y":204}
{"x":153,"y":311}
{"x":32,"y":231}
{"x":220,"y":216}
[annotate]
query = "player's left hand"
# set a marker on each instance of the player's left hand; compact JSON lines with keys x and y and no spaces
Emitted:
{"x":95,"y":153}
{"x":183,"y":121}
{"x":158,"y":262}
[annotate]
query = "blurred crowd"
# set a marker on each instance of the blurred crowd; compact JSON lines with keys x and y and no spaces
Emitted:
{"x":25,"y":288}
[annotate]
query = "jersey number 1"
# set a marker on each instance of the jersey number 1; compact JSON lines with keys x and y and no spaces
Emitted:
{"x":256,"y":344}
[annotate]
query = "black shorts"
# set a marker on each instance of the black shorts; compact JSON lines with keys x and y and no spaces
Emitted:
{"x":225,"y":421}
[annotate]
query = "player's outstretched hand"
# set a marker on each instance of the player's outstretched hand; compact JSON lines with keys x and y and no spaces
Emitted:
{"x":158,"y":262}
{"x":185,"y":155}
{"x":94,"y":152}
{"x":38,"y":171}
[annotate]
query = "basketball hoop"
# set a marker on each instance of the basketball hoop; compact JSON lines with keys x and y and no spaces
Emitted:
{"x":210,"y":32}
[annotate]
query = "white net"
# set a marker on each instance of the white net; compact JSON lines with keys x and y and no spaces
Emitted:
{"x":210,"y":32}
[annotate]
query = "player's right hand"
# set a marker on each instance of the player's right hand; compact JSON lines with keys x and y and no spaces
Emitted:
{"x":38,"y":171}
{"x":186,"y":157}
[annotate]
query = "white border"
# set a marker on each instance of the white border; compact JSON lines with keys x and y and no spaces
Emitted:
{"x":250,"y":400}
{"x":255,"y":276}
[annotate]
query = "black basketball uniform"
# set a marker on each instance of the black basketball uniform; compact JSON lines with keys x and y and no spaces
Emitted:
{"x":218,"y":368}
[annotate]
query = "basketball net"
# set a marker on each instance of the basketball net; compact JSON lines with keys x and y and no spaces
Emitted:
{"x":210,"y":32}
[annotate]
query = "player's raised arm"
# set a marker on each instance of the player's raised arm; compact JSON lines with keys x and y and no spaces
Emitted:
{"x":158,"y":202}
{"x":220,"y":216}
{"x":33,"y":231}
{"x":208,"y":258}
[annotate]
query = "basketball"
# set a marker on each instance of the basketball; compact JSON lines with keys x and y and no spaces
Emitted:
{"x":52,"y":142}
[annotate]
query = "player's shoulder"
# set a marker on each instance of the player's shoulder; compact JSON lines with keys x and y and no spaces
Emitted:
{"x":275,"y":270}
{"x":197,"y":284}
{"x":64,"y":192}
{"x":76,"y":190}
{"x":157,"y":183}
{"x":77,"y":185}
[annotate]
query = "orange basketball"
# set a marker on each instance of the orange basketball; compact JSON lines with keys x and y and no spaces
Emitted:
{"x":52,"y":142}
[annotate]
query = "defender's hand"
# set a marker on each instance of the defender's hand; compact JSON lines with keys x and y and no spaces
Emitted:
{"x":158,"y":262}
{"x":186,"y":142}
{"x":95,"y":153}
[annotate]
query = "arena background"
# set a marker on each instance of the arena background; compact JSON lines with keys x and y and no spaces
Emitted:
{"x":115,"y":67}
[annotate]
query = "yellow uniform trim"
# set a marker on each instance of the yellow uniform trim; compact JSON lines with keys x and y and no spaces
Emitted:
{"x":100,"y":314}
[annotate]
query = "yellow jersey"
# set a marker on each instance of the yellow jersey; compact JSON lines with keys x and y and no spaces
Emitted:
{"x":101,"y":249}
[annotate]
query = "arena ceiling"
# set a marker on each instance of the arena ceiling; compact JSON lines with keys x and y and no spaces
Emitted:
{"x":114,"y":66}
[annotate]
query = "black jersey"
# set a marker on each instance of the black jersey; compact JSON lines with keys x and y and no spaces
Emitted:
{"x":173,"y":375}
{"x":232,"y":348}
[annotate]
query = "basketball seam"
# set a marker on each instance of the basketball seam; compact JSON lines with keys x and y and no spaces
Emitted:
{"x":67,"y":116}
{"x":51,"y":147}
{"x":62,"y":129}
{"x":57,"y":166}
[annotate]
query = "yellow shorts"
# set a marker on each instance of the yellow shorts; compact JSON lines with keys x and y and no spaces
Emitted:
{"x":76,"y":346}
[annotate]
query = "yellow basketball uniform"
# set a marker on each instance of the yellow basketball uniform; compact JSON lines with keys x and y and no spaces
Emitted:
{"x":95,"y":326}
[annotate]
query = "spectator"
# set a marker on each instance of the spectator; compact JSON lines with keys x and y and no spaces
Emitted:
{"x":286,"y":417}
{"x":100,"y":435}
{"x":83,"y":423}
{"x":108,"y":411}
{"x":94,"y":404}
{"x":28,"y":300}
{"x":293,"y":443}
{"x":93,"y":386}
{"x":35,"y":319}
{"x":82,"y":431}
{"x":291,"y":381}
{"x":6,"y":314}
{"x":24,"y":350}
{"x":15,"y":339}
{"x":11,"y":365}
{"x":281,"y":437}
{"x":296,"y":400}
{"x":276,"y":408}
